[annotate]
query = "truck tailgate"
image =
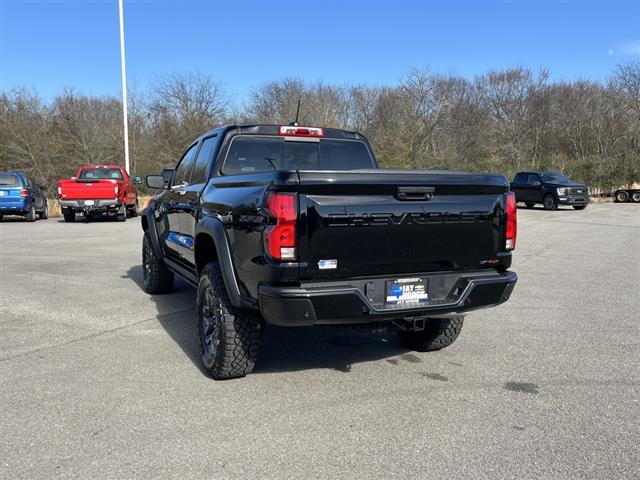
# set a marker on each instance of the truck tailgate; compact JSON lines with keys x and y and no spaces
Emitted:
{"x":88,"y":190}
{"x":381,"y":222}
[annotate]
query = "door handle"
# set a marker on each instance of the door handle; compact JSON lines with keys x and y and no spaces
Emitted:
{"x":414,"y":193}
{"x":179,"y":189}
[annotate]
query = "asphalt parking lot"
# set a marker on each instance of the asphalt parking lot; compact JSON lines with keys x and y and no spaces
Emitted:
{"x":100,"y":380}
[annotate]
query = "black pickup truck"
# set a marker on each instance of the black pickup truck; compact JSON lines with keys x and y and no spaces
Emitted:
{"x":550,"y":189}
{"x":292,"y":225}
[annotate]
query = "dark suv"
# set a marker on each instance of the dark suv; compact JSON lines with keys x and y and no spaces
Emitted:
{"x":549,"y":189}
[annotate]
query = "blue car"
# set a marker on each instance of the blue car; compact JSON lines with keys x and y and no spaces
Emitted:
{"x":19,"y":195}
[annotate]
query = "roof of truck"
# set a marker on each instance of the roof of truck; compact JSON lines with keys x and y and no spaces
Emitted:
{"x":273,"y":129}
{"x":102,"y":166}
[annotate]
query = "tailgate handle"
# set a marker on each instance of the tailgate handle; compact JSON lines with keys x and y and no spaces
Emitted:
{"x":415,"y":193}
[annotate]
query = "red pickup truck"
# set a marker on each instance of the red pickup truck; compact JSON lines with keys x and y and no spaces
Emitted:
{"x":98,"y":190}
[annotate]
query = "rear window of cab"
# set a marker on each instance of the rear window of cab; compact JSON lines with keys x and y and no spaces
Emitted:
{"x":248,"y":154}
{"x":101,"y":174}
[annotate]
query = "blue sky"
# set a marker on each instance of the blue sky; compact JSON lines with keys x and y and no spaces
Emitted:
{"x":49,"y":45}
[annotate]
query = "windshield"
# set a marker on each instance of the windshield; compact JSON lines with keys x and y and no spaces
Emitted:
{"x":263,"y":154}
{"x":101,"y":174}
{"x":9,"y":180}
{"x":554,"y":178}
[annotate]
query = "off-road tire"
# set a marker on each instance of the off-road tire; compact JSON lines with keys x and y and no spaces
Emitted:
{"x":69,"y":215}
{"x":438,"y":333}
{"x":156,"y":277}
{"x":549,"y":202}
{"x":622,"y":196}
{"x":579,"y":207}
{"x":31,"y":216}
{"x":529,"y":204}
{"x":229,"y":337}
{"x":635,"y":197}
{"x":44,"y":214}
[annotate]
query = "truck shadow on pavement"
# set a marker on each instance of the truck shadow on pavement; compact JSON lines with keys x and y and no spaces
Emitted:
{"x":282,"y":349}
{"x":97,"y":219}
{"x":561,"y":208}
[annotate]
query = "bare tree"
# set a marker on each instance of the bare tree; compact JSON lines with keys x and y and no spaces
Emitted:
{"x":86,"y":129}
{"x":465,"y":122}
{"x":181,"y":107}
{"x":626,"y":83}
{"x":276,"y":102}
{"x":24,"y":121}
{"x":516,"y":100}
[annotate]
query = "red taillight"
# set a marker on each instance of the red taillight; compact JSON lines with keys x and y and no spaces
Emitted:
{"x":24,"y":192}
{"x":293,"y":131}
{"x":280,"y":239}
{"x":512,"y":221}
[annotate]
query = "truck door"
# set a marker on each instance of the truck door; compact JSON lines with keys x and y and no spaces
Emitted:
{"x":174,"y":206}
{"x":130,"y":191}
{"x":191,"y":198}
{"x":519,"y":186}
{"x":534,"y":188}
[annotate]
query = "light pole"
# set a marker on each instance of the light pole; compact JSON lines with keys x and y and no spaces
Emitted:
{"x":124,"y":89}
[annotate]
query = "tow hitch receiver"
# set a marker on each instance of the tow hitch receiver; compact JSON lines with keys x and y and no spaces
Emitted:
{"x":412,"y":324}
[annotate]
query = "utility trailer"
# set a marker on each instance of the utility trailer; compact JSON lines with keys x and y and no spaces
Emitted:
{"x":624,"y":195}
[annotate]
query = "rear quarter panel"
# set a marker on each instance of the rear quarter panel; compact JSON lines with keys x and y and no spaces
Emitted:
{"x":237,"y":201}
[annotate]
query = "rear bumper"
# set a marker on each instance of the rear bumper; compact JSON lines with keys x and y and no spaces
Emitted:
{"x":17,"y":207}
{"x":98,"y":205}
{"x":353,"y":302}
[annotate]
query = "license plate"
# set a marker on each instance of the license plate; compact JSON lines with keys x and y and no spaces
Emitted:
{"x":89,"y":202}
{"x":404,"y":291}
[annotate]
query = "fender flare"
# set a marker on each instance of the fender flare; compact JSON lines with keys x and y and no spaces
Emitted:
{"x":153,"y":232}
{"x":216,"y":230}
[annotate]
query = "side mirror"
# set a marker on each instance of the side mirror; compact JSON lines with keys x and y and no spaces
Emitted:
{"x":137,"y":180}
{"x":155,"y":181}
